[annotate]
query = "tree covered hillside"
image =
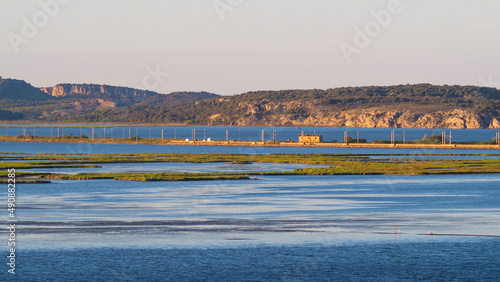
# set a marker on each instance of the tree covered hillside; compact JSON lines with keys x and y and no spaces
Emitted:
{"x":301,"y":107}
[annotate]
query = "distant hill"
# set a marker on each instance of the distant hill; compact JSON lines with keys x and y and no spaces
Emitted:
{"x":20,"y":90}
{"x":410,"y":106}
{"x":20,"y":100}
{"x":176,"y":98}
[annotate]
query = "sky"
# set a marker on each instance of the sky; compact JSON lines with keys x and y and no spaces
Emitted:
{"x":234,"y":46}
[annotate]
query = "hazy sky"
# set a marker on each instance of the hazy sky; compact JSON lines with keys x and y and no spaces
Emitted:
{"x":235,"y":46}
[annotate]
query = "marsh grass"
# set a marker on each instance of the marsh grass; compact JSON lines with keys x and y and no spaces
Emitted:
{"x":339,"y":164}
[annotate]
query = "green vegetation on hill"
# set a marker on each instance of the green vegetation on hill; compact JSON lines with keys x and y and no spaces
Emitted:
{"x":20,"y":100}
{"x":266,"y":107}
{"x":20,"y":90}
{"x":176,"y":98}
{"x":421,"y":105}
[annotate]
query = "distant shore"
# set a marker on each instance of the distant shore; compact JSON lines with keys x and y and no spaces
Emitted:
{"x":179,"y":142}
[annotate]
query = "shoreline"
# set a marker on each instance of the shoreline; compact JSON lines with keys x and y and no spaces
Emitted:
{"x":170,"y":142}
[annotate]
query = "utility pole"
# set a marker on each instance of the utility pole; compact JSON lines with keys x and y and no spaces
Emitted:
{"x":263,"y":136}
{"x":194,"y":134}
{"x":105,"y":133}
{"x":51,"y":133}
{"x":205,"y":134}
{"x":404,"y":137}
{"x":345,"y":137}
{"x":450,"y":137}
{"x":129,"y":129}
{"x":162,"y":134}
{"x":227,"y":135}
{"x":175,"y":133}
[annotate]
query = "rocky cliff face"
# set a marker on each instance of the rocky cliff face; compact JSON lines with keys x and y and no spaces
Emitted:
{"x":456,"y":119}
{"x":365,"y":118}
{"x":97,"y":91}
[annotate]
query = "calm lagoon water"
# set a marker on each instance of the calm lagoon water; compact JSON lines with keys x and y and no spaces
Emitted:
{"x":277,"y":228}
{"x":31,"y":148}
{"x":249,"y":133}
{"x":179,"y":167}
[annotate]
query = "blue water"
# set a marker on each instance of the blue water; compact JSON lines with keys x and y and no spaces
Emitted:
{"x":71,"y":148}
{"x":251,"y":133}
{"x":179,"y":168}
{"x":467,"y":260}
{"x":277,"y":228}
{"x":290,"y":228}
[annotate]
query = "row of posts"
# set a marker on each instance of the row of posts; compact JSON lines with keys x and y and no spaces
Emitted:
{"x":60,"y":133}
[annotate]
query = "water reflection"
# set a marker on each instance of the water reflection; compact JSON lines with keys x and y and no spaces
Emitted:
{"x":275,"y":210}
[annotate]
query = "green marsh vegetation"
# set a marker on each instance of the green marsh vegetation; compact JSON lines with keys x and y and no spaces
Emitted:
{"x":151,"y":176}
{"x":338,"y":164}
